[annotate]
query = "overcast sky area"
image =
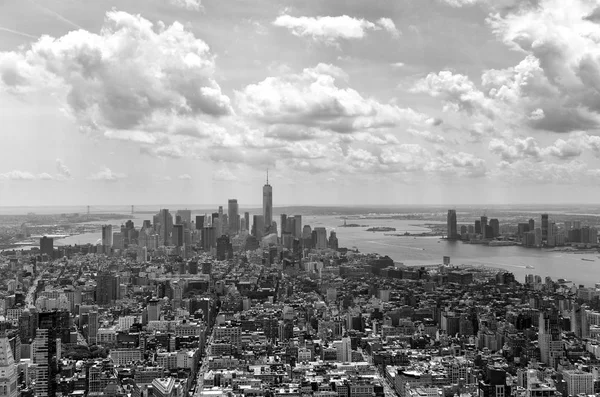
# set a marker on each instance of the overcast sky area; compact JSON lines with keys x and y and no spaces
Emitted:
{"x":344,"y":101}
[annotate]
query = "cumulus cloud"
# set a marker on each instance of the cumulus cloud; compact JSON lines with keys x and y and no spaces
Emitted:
{"x":389,"y":25}
{"x":515,"y":150}
{"x":130,"y":81}
{"x":106,"y":174}
{"x":184,"y":177}
{"x":16,"y":175}
{"x":192,"y":5}
{"x":428,"y":136}
{"x":330,"y":30}
{"x":62,"y":170}
{"x":313,"y":99}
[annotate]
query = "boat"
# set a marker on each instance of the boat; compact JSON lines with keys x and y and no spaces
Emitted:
{"x":588,"y":260}
{"x":529,"y":267}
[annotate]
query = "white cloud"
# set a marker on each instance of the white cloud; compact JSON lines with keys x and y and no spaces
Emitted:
{"x":428,"y":136}
{"x":330,"y":30}
{"x":224,"y":174}
{"x":313,"y":99}
{"x":184,"y":177}
{"x":192,"y":5}
{"x":62,"y":169}
{"x":389,"y":25}
{"x":106,"y":174}
{"x":515,"y":150}
{"x":45,"y":176}
{"x":16,"y":175}
{"x":131,"y":81}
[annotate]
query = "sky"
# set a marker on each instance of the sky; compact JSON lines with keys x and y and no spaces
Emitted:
{"x":378,"y":102}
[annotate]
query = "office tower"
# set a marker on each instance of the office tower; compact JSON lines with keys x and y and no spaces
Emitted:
{"x":290,"y":226}
{"x":107,"y":235}
{"x":463,"y":230}
{"x":470,"y":229}
{"x":576,"y":224}
{"x":107,"y":288}
{"x":283,"y":224}
{"x":178,"y":235}
{"x":578,"y":382}
{"x":538,"y":237}
{"x":209,"y":238}
{"x":522,"y":229}
{"x":224,"y":248}
{"x":451,"y":225}
{"x":186,"y":217}
{"x":224,"y":222}
{"x":93,"y":325}
{"x":531,"y":225}
{"x":297,"y":232}
{"x":219,"y":225}
{"x":549,"y":338}
{"x":495,"y":224}
{"x":579,"y":322}
{"x":165,"y":220}
{"x":247,"y":219}
{"x":199,"y":222}
{"x":544,"y":227}
{"x":551,"y":238}
{"x":153,"y":308}
{"x":233,"y":216}
{"x":307,"y":237}
{"x":333,"y":241}
{"x":8,"y":370}
{"x":568,"y":225}
{"x":484,"y":224}
{"x":243,"y":225}
{"x":267,"y":204}
{"x":40,"y":358}
{"x":321,"y":237}
{"x":477,"y":227}
{"x":47,"y":246}
{"x":118,"y":242}
{"x":213,"y":218}
{"x":258,"y":226}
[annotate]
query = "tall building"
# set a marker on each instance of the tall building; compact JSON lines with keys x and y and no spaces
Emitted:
{"x":178,"y":235}
{"x":40,"y":358}
{"x":333,"y":241}
{"x":549,"y":338}
{"x":452,"y":226}
{"x":321,"y":237}
{"x":297,"y":232}
{"x":224,"y":248}
{"x":107,"y":236}
{"x":495,"y":224}
{"x":93,"y":325}
{"x":247,"y":219}
{"x":186,"y":217}
{"x":484,"y":224}
{"x":544,"y":227}
{"x":233,"y":216}
{"x":283,"y":224}
{"x":165,"y":220}
{"x":154,"y":308}
{"x":47,"y":246}
{"x":199,"y":222}
{"x":267,"y":204}
{"x":258,"y":226}
{"x":8,"y":370}
{"x":107,"y":288}
{"x":209,"y":238}
{"x":477,"y":227}
{"x":531,"y":225}
{"x":579,"y":382}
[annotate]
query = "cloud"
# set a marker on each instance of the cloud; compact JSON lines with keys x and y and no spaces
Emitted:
{"x":389,"y":25}
{"x":461,"y":3}
{"x":428,"y":136}
{"x":191,"y":5}
{"x":313,"y":99}
{"x":62,"y":169}
{"x":184,"y":177}
{"x":131,"y":81}
{"x":16,"y":175}
{"x":515,"y":150}
{"x":528,"y":171}
{"x":528,"y":148}
{"x":45,"y":176}
{"x":106,"y":174}
{"x":225,"y":175}
{"x":329,"y":30}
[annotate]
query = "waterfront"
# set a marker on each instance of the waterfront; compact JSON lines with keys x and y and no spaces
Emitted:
{"x":414,"y":251}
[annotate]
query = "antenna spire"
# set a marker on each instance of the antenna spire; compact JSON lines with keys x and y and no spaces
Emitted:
{"x":267,"y":175}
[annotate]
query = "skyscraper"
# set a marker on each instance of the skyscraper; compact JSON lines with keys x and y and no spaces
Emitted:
{"x":107,"y":288}
{"x":549,"y":338}
{"x":199,"y":222}
{"x":283,"y":224}
{"x":234,"y":217}
{"x":186,"y":217}
{"x":321,"y":237}
{"x":544,"y":227}
{"x":267,"y":204}
{"x":247,"y":218}
{"x":298,"y":226}
{"x":178,"y":235}
{"x":495,"y":224}
{"x":40,"y":358}
{"x":452,"y":227}
{"x":8,"y":369}
{"x":166,"y":226}
{"x":531,"y":225}
{"x":47,"y":246}
{"x":484,"y":223}
{"x":258,"y":227}
{"x":107,"y":236}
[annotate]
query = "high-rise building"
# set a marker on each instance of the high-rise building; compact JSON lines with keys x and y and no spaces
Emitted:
{"x":209,"y":238}
{"x":224,"y":248}
{"x":495,"y":224}
{"x":297,"y":232}
{"x":199,"y":222}
{"x":267,"y":204}
{"x":452,"y":226}
{"x":107,"y":288}
{"x":107,"y":236}
{"x":154,"y":308}
{"x":247,"y":219}
{"x":258,"y":226}
{"x":484,"y":224}
{"x":333,"y":241}
{"x":93,"y":325}
{"x":165,"y":220}
{"x":233,"y":216}
{"x":579,"y":382}
{"x":8,"y":370}
{"x":549,"y":338}
{"x":321,"y":237}
{"x":178,"y":235}
{"x":531,"y":225}
{"x":477,"y":227}
{"x":40,"y":358}
{"x":186,"y":217}
{"x":283,"y":224}
{"x":47,"y":246}
{"x":544,"y":227}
